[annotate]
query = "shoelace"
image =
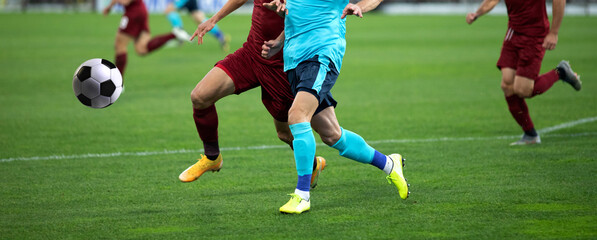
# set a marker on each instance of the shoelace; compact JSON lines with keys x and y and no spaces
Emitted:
{"x":295,"y":196}
{"x":390,"y":178}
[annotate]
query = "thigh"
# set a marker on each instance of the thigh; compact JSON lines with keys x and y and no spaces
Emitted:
{"x":302,"y":108}
{"x":523,"y":86}
{"x":215,"y":85}
{"x":142,"y":41}
{"x":121,"y":42}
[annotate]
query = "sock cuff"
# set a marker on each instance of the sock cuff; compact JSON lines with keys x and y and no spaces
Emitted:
{"x":340,"y":143}
{"x":300,"y":128}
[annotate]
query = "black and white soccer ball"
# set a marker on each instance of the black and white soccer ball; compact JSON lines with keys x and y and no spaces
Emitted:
{"x":97,"y":83}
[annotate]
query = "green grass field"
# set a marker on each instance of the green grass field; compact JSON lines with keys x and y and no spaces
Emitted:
{"x":423,"y":86}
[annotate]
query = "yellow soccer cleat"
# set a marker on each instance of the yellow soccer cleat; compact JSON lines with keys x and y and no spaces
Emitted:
{"x":397,"y":177}
{"x":203,"y":165}
{"x":318,"y":168}
{"x":296,"y":205}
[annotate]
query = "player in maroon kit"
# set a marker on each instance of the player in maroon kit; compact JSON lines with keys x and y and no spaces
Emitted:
{"x":528,"y":36}
{"x":134,"y":26}
{"x":243,"y":70}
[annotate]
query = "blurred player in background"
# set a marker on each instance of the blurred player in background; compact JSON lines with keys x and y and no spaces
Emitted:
{"x":314,"y":45}
{"x":243,"y":70}
{"x":134,"y":26}
{"x":528,"y":36}
{"x":199,"y":16}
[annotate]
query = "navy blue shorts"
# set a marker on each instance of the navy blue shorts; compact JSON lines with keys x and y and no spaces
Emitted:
{"x":316,"y":78}
{"x":190,"y":5}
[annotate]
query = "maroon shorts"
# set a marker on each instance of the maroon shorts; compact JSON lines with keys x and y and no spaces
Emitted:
{"x":247,"y":72}
{"x":522,"y":53}
{"x":134,"y":21}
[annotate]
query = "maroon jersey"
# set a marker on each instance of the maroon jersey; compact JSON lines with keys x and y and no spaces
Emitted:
{"x":528,"y":17}
{"x":266,"y":25}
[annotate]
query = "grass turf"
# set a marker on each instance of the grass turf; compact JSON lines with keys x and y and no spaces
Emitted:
{"x":424,"y":86}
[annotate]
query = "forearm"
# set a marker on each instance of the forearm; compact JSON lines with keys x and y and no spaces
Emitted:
{"x":228,"y":8}
{"x":368,"y":5}
{"x":281,"y":37}
{"x":486,"y":6}
{"x":557,"y":15}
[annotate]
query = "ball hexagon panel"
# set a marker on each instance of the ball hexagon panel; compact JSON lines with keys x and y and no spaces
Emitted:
{"x":90,"y":88}
{"x":116,"y":77}
{"x":100,"y":102}
{"x":76,"y":86}
{"x":101,"y":73}
{"x":92,"y":62}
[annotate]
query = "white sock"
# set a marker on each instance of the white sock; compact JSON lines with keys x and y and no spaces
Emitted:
{"x":305,"y":195}
{"x":389,"y":165}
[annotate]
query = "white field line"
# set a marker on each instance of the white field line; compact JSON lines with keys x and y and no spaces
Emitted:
{"x":264,"y":147}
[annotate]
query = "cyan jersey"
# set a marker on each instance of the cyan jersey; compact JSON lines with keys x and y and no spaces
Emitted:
{"x":314,"y":27}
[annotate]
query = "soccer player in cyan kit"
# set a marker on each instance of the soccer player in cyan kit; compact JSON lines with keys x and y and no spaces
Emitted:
{"x":134,"y":26}
{"x":314,"y":45}
{"x":243,"y":70}
{"x":528,"y":36}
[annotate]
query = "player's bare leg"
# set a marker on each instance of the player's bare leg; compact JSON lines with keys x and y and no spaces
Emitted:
{"x":120,"y":47}
{"x":214,"y":86}
{"x":142,"y":42}
{"x":515,"y":89}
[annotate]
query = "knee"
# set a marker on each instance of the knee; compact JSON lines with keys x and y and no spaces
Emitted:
{"x":199,"y":101}
{"x":330,"y":137}
{"x":141,"y":49}
{"x":522,"y":92}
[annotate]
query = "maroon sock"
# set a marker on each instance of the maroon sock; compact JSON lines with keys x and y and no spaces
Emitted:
{"x":158,"y":41}
{"x":519,"y":110}
{"x":545,"y":81}
{"x":121,"y":62}
{"x":206,"y":121}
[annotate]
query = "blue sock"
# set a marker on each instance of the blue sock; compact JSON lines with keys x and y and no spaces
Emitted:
{"x":175,"y":19}
{"x":353,"y":146}
{"x":379,"y":160}
{"x":304,"y":152}
{"x":304,"y":183}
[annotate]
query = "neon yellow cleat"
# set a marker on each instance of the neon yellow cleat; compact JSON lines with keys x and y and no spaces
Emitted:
{"x":397,"y":177}
{"x":203,"y":165}
{"x":318,"y":168}
{"x":296,"y":205}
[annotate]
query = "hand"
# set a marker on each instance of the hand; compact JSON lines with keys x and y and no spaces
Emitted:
{"x":106,"y":11}
{"x":471,"y":17}
{"x":277,"y":6}
{"x":352,"y":9}
{"x":270,"y":48}
{"x":550,"y":41}
{"x":202,"y":29}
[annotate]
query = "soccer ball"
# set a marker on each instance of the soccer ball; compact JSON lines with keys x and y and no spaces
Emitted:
{"x":97,"y":83}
